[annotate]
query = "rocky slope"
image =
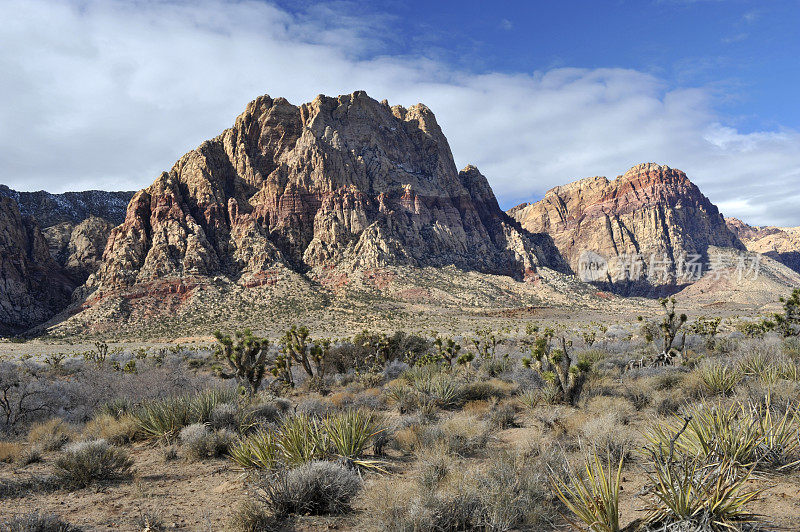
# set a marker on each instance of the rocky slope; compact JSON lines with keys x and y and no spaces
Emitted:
{"x":343,"y":183}
{"x":779,"y":243}
{"x":631,"y":234}
{"x":78,"y":248}
{"x":33,"y":287}
{"x":72,"y":207}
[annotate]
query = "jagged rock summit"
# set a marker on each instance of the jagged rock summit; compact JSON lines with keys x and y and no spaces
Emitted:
{"x":651,"y":211}
{"x":345,"y":181}
{"x":779,"y":243}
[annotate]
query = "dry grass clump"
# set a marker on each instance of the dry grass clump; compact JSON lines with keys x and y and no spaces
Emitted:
{"x":36,"y":522}
{"x":612,"y":440}
{"x":10,"y":451}
{"x":509,"y":491}
{"x":50,"y":435}
{"x":85,"y":463}
{"x":116,"y":430}
{"x":461,"y":434}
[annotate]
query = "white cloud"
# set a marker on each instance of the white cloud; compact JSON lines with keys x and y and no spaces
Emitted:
{"x":108,"y":94}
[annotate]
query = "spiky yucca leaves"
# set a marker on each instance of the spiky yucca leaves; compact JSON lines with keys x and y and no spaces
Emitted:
{"x":690,"y":492}
{"x":556,"y":367}
{"x":349,"y":434}
{"x":594,"y":497}
{"x":719,"y":379}
{"x":301,"y":440}
{"x":164,"y":418}
{"x":246,"y":355}
{"x":743,"y":436}
{"x":257,"y":451}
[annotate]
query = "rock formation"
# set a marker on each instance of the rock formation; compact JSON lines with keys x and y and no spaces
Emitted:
{"x":779,"y":243}
{"x":636,"y":234}
{"x":73,"y":207}
{"x":33,"y":287}
{"x":338,"y":182}
{"x":78,"y":248}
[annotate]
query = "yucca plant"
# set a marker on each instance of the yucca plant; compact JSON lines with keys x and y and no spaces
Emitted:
{"x":753,"y":365}
{"x":348,"y":435}
{"x":301,"y":439}
{"x":688,"y":491}
{"x":779,"y":443}
{"x":594,"y":497}
{"x":719,"y":379}
{"x":708,"y":433}
{"x":164,"y":418}
{"x":202,"y":404}
{"x":258,"y":451}
{"x":530,"y":398}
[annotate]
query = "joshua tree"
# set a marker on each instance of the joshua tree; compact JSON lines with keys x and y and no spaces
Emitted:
{"x":707,"y":328}
{"x":310,"y":354}
{"x":485,"y":343}
{"x":447,"y":349}
{"x":246,"y":355}
{"x":556,"y":367}
{"x":670,"y":327}
{"x":789,"y":322}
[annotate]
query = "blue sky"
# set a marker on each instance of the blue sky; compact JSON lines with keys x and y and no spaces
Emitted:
{"x":109,"y":93}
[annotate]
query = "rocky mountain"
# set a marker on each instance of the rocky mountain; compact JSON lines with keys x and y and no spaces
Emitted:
{"x":78,"y":248}
{"x":779,"y":243}
{"x":72,"y":207}
{"x":33,"y":286}
{"x":338,"y":183}
{"x":638,"y":234}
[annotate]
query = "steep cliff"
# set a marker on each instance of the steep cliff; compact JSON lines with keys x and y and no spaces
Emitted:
{"x":338,"y":182}
{"x":33,"y":287}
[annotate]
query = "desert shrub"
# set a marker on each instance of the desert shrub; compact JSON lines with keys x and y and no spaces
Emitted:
{"x":37,"y":522}
{"x":225,"y":416}
{"x":50,"y":435}
{"x":593,"y":497}
{"x":250,"y":516}
{"x":85,"y":463}
{"x":199,"y":441}
{"x":530,"y":398}
{"x":315,"y":407}
{"x":463,"y":434}
{"x":25,"y":396}
{"x":486,"y":389}
{"x":509,"y":492}
{"x":18,"y":486}
{"x":502,"y":416}
{"x":314,"y":488}
{"x":270,"y":410}
{"x":608,"y":438}
{"x":116,"y":430}
{"x":393,"y":369}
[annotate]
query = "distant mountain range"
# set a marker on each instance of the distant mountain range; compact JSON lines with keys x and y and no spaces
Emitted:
{"x":331,"y":195}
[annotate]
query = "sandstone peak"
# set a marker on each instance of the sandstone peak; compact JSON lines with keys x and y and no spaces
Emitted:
{"x":651,"y":210}
{"x":341,"y":181}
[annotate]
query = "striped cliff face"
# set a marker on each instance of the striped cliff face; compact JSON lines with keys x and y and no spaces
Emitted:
{"x":653,"y":212}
